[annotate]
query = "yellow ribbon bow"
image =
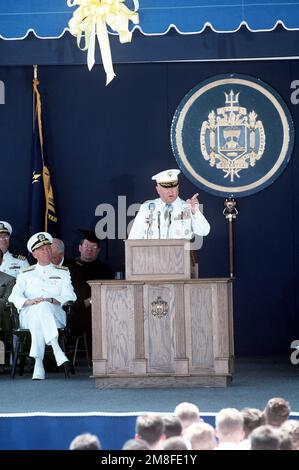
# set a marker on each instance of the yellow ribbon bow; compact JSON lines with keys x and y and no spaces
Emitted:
{"x":92,"y":17}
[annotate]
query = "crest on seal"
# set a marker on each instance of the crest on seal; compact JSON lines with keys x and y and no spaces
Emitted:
{"x":232,"y":135}
{"x":232,"y":139}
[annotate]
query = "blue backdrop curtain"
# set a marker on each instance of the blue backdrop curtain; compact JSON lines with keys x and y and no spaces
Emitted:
{"x":126,"y":139}
{"x":123,"y":142}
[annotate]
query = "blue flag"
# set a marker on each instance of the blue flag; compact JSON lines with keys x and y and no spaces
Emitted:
{"x":43,"y":213}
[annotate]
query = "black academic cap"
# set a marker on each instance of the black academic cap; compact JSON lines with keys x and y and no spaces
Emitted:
{"x":90,"y":236}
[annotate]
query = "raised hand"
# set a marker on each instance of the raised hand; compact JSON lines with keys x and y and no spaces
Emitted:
{"x":194,"y":203}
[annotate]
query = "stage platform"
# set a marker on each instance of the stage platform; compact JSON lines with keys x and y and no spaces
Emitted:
{"x":48,"y":414}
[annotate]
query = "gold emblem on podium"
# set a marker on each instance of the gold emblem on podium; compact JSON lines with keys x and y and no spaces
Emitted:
{"x":159,"y":307}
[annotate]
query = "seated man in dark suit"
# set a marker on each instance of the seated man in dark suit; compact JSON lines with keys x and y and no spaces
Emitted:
{"x":6,"y":284}
{"x":84,"y":268}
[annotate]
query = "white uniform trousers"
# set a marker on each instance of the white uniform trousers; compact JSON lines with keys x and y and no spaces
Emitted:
{"x":42,"y":320}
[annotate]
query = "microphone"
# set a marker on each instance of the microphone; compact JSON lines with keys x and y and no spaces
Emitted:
{"x":151,"y":207}
{"x":170,"y":209}
{"x":159,"y":224}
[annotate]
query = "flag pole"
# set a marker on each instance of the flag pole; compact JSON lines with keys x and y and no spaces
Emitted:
{"x":33,"y":95}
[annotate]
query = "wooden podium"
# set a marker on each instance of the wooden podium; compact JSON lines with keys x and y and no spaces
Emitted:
{"x":162,"y":329}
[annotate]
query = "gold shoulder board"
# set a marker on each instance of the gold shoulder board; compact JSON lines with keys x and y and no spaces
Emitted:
{"x":65,"y":268}
{"x":30,"y":268}
{"x":19,"y":257}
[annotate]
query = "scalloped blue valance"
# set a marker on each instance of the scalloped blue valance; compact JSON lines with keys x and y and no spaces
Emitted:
{"x":49,"y":18}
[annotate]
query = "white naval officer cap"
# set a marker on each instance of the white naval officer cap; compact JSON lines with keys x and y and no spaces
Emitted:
{"x":5,"y":227}
{"x":167,"y":178}
{"x":39,"y":239}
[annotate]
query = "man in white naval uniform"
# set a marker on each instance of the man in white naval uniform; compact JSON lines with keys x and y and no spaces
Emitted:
{"x":11,"y":264}
{"x":39,"y":294}
{"x":169,"y":216}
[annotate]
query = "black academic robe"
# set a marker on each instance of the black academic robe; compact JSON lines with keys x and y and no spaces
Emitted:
{"x":81,"y":272}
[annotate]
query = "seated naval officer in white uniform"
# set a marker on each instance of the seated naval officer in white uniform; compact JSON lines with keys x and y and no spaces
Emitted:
{"x":169,"y":216}
{"x":11,"y":264}
{"x":39,"y":294}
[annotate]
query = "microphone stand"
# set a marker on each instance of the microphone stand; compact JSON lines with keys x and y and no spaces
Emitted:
{"x":169,"y":224}
{"x":159,"y":224}
{"x":149,"y":221}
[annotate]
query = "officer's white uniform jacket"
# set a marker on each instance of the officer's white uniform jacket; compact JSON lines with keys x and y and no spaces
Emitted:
{"x":42,"y":281}
{"x":13,"y":264}
{"x":183,"y":223}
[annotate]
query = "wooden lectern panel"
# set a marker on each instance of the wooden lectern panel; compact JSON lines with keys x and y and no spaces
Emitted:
{"x":157,"y":260}
{"x":119,"y":326}
{"x":159,"y":332}
{"x":199,"y":318}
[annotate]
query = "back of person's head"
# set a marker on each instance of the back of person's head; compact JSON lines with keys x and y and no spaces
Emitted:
{"x":265,"y":438}
{"x":150,"y":428}
{"x":135,"y":444}
{"x":253,"y":418}
{"x":201,"y":436}
{"x":85,"y":441}
{"x":286,"y":442}
{"x":58,"y":245}
{"x":174,"y":443}
{"x":188,"y":413}
{"x":291,"y":426}
{"x":172,"y":426}
{"x":277,"y":411}
{"x":229,"y":425}
{"x":57,"y":249}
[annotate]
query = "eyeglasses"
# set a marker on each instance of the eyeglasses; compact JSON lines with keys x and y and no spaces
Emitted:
{"x":90,"y":247}
{"x":4,"y":237}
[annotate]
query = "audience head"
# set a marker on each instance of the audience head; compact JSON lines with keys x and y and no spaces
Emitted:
{"x":5,"y":232}
{"x":85,"y":441}
{"x":188,"y":413}
{"x":277,"y":411}
{"x":57,"y":249}
{"x":135,"y":444}
{"x":291,"y":426}
{"x":150,"y":428}
{"x":89,"y":246}
{"x":229,"y":426}
{"x":286,"y":442}
{"x":253,"y":418}
{"x":201,"y":436}
{"x":172,"y":426}
{"x":1,"y":256}
{"x":174,"y":443}
{"x":265,"y":438}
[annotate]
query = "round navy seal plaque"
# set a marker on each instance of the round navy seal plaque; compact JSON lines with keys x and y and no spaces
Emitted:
{"x":232,"y":135}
